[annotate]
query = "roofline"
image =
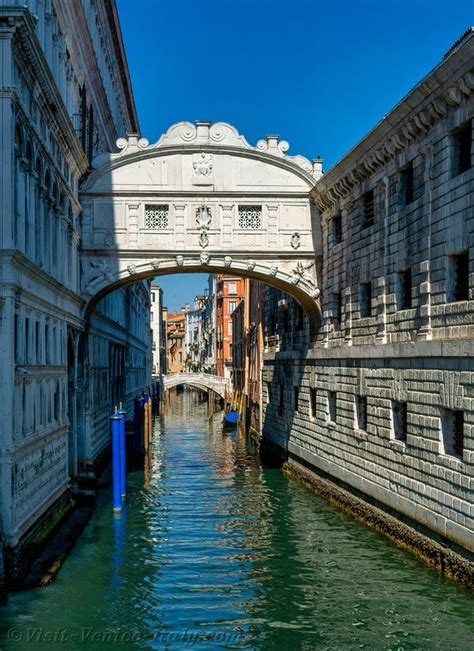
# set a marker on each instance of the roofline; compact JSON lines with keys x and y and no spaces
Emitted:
{"x":117,"y":38}
{"x":431,"y":82}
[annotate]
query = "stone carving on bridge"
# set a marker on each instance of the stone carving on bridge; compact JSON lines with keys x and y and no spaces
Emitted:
{"x":204,"y":258}
{"x":98,"y":270}
{"x":109,"y":239}
{"x":251,"y":265}
{"x":202,"y":169}
{"x":179,"y":260}
{"x":203,"y":219}
{"x":155,"y":264}
{"x":295,"y":240}
{"x":300,"y":273}
{"x":132,"y":269}
{"x":228,"y":261}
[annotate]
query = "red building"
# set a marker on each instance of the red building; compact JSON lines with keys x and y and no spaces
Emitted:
{"x":229,"y":293}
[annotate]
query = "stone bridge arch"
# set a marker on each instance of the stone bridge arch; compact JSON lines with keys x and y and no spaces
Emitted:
{"x":201,"y":200}
{"x":204,"y":381}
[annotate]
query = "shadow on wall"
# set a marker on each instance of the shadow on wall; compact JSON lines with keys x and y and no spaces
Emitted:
{"x":287,"y":340}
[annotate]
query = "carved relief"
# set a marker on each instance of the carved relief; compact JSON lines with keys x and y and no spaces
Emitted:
{"x":296,"y":240}
{"x":300,"y":273}
{"x":203,"y":165}
{"x":227,"y":260}
{"x":97,"y":271}
{"x":203,"y":219}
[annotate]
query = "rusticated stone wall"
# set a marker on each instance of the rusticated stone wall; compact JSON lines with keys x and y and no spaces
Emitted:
{"x":383,"y":400}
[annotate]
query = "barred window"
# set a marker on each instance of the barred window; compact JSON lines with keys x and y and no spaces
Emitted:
{"x":250,"y":217}
{"x":156,"y":216}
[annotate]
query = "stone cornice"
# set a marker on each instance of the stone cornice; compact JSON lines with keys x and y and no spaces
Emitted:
{"x":55,"y":111}
{"x":215,"y":138}
{"x":31,"y":126}
{"x":445,"y":87}
{"x":116,"y":32}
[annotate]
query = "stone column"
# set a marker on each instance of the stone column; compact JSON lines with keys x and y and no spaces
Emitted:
{"x":272,"y":226}
{"x":6,"y":136}
{"x":179,"y":226}
{"x":132,"y":224}
{"x":227,"y":226}
{"x":20,"y":203}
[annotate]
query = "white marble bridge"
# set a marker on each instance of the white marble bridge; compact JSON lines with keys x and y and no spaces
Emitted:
{"x":204,"y":381}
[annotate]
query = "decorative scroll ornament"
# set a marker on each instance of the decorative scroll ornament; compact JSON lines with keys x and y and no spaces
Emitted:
{"x":204,"y":257}
{"x":227,"y":260}
{"x":132,"y":270}
{"x":155,"y":264}
{"x":251,"y":265}
{"x":300,"y":273}
{"x":179,"y":260}
{"x":203,"y":219}
{"x":296,"y":240}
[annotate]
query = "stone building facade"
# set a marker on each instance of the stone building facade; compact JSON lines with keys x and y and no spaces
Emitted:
{"x":383,"y":402}
{"x":158,"y":325}
{"x":65,"y":98}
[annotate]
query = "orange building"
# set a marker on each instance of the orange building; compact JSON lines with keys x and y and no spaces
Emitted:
{"x":247,"y":349}
{"x":175,"y":333}
{"x":229,"y":293}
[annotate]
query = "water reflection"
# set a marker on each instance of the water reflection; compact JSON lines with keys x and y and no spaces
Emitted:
{"x":215,"y":551}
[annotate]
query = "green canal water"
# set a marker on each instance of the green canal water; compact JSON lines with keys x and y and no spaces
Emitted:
{"x":216,"y":551}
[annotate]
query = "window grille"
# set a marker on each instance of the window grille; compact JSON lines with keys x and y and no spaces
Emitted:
{"x":365,"y":300}
{"x":361,"y":412}
{"x":368,"y":211}
{"x":407,"y":183}
{"x":462,"y":149}
{"x":332,"y":406}
{"x":460,"y":276}
{"x":399,"y":420}
{"x":452,"y":425}
{"x":157,"y":217}
{"x":312,"y":400}
{"x":250,"y":217}
{"x":296,"y":392}
{"x":337,"y":229}
{"x":404,"y":290}
{"x":337,"y":309}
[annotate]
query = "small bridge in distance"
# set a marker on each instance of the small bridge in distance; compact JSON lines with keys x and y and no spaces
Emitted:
{"x":203,"y":381}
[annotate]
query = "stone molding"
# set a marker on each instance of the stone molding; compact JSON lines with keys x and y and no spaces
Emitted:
{"x":397,"y":130}
{"x":206,"y":136}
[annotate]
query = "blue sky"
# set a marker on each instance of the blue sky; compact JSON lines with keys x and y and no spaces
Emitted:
{"x":319,"y":73}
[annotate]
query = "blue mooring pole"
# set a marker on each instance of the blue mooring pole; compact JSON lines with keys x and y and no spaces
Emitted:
{"x":116,"y":482}
{"x":123,"y":457}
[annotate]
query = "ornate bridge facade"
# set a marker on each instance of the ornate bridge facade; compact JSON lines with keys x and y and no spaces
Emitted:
{"x":203,"y":381}
{"x":201,"y":200}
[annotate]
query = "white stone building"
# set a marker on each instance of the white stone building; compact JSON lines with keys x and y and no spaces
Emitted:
{"x":209,"y":317}
{"x":193,"y":335}
{"x":65,"y":97}
{"x":158,"y":329}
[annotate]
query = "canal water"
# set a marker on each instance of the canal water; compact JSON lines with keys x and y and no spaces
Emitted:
{"x":216,"y":551}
